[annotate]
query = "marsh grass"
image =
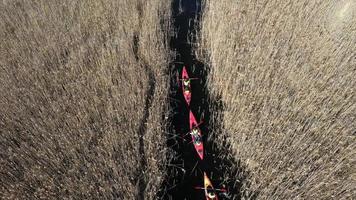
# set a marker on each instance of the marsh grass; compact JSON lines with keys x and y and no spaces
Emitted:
{"x":73,"y":94}
{"x":285,"y":72}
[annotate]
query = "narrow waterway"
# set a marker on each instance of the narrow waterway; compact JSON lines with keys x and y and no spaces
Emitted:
{"x":185,"y":171}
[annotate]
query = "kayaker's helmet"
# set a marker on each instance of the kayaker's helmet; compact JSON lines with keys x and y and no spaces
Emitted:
{"x":194,"y":131}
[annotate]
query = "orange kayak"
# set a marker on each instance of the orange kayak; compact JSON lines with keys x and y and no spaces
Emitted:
{"x":209,"y":189}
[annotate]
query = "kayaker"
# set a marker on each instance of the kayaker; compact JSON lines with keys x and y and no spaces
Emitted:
{"x":210,"y":192}
{"x":186,"y":83}
{"x":197,"y":139}
{"x":196,"y":136}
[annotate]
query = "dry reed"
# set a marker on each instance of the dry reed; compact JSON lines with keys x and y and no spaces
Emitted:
{"x":74,"y":91}
{"x":286,"y":74}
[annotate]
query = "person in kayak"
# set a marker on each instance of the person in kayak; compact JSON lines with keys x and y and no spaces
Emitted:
{"x":196,"y":136}
{"x":186,"y":85}
{"x":210,"y":192}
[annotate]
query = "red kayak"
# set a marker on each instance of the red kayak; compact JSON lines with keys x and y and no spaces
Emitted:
{"x":209,"y":189}
{"x":195,"y":132}
{"x":187,"y":93}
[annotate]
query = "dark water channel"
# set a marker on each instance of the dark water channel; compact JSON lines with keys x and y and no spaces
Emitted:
{"x":185,"y":170}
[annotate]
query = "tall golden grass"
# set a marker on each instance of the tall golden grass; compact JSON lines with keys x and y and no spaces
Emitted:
{"x":76,"y":82}
{"x":286,"y":74}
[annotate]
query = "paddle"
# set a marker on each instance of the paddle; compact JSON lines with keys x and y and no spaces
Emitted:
{"x":219,"y":190}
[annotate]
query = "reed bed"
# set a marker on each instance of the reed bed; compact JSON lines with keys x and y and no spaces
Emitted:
{"x":285,"y":73}
{"x":79,"y":117}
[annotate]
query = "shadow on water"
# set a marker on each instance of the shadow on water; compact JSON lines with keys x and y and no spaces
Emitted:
{"x":185,"y":170}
